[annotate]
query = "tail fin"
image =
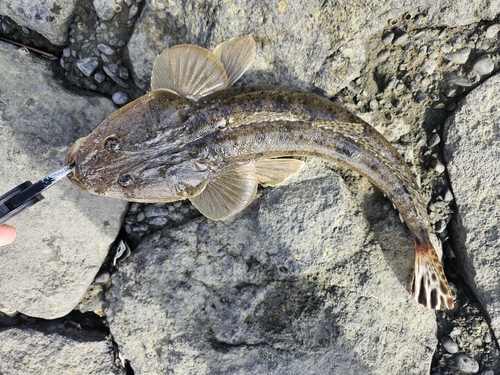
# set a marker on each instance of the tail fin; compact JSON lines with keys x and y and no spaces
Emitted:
{"x":430,"y":287}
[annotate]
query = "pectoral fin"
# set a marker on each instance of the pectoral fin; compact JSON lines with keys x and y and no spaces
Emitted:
{"x":274,"y":171}
{"x":190,"y":71}
{"x":228,"y":192}
{"x":236,"y":54}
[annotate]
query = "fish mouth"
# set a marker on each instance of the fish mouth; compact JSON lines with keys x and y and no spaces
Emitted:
{"x":70,"y":159}
{"x":72,"y":177}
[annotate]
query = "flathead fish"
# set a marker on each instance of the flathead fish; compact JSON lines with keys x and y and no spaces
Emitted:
{"x":195,"y":137}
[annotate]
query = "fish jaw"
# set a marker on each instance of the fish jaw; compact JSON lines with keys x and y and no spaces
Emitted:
{"x":430,"y":286}
{"x":71,"y":158}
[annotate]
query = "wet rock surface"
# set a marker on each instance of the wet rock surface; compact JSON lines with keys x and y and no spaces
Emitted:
{"x":306,"y":281}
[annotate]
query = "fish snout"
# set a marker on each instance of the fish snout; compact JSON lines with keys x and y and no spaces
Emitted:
{"x":71,"y":156}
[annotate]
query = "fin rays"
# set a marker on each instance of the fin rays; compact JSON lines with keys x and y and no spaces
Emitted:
{"x":430,"y":287}
{"x":228,"y":192}
{"x":194,"y":72}
{"x":236,"y":54}
{"x":190,"y":71}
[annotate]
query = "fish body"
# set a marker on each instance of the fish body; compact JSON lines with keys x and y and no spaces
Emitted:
{"x":202,"y":140}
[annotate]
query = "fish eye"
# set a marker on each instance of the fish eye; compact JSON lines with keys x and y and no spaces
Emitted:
{"x":112,"y":143}
{"x":125,"y":180}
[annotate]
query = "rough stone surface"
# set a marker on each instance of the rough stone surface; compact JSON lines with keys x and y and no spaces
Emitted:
{"x":49,"y":18}
{"x":391,"y":58}
{"x":329,"y":53}
{"x":63,"y":240}
{"x":472,"y":154}
{"x":49,"y":348}
{"x":299,"y":277}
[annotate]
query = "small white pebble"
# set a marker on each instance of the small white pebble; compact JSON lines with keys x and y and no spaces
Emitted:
{"x":483,"y":65}
{"x":102,"y":277}
{"x":438,"y":166}
{"x":457,"y":80}
{"x":133,"y":11}
{"x":448,"y":196}
{"x":451,"y":93}
{"x":140,"y":216}
{"x":401,"y":39}
{"x":445,"y":48}
{"x":373,"y":104}
{"x":492,"y":30}
{"x":383,"y":55}
{"x":120,"y":98}
{"x":429,"y":66}
{"x":449,"y":345}
{"x":466,"y":364}
{"x":434,"y":140}
{"x":487,"y":338}
{"x":387,"y":38}
{"x":440,"y":226}
{"x":459,"y":57}
{"x":455,"y":332}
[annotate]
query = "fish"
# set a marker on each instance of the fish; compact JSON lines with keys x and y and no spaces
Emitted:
{"x":196,"y":136}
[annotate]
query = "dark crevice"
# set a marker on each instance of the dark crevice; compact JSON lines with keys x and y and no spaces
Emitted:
{"x":11,"y":31}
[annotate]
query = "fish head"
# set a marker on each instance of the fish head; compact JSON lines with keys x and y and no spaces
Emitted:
{"x":138,"y":153}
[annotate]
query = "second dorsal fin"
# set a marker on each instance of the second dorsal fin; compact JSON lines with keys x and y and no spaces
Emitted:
{"x":236,"y":54}
{"x":274,"y":171}
{"x":190,"y":71}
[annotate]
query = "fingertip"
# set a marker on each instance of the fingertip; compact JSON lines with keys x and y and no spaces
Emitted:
{"x":7,"y":234}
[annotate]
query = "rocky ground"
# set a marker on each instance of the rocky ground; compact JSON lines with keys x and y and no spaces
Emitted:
{"x":312,"y":277}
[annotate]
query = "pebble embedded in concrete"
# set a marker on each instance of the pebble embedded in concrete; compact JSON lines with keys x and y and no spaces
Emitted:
{"x":466,"y":364}
{"x":87,"y":65}
{"x":120,"y":98}
{"x":459,"y":57}
{"x":105,"y":9}
{"x":449,"y":345}
{"x":484,"y":65}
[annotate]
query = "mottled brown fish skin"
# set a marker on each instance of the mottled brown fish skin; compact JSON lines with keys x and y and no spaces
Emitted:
{"x":162,"y":130}
{"x":169,"y":146}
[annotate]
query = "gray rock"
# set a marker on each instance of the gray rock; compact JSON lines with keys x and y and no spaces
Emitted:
{"x":400,"y":39}
{"x":472,"y":154}
{"x":466,"y":364}
{"x":105,"y":9}
{"x":107,"y":50}
{"x":429,"y":66}
{"x":492,"y":31}
{"x":449,"y":345}
{"x":63,"y":240}
{"x":484,"y":65}
{"x":307,"y":280}
{"x":49,"y":18}
{"x":459,"y":57}
{"x":152,"y":211}
{"x":134,"y":9}
{"x":120,"y":98}
{"x":55,"y":348}
{"x":457,"y":80}
{"x":336,"y":39}
{"x":87,"y":65}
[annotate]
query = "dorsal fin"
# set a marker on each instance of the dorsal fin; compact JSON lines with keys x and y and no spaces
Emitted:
{"x":189,"y":70}
{"x":236,"y":54}
{"x":228,"y":192}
